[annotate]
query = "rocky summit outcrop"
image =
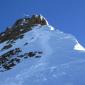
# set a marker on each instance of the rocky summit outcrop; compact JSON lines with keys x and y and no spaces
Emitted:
{"x":21,"y":26}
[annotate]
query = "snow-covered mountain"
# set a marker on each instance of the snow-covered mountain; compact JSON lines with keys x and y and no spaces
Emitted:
{"x":32,"y":52}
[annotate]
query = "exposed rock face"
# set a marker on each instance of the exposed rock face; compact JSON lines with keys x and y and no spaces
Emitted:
{"x":21,"y":26}
{"x":12,"y":55}
{"x":12,"y":58}
{"x":34,"y":20}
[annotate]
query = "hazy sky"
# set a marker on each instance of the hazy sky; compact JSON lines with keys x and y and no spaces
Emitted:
{"x":66,"y":15}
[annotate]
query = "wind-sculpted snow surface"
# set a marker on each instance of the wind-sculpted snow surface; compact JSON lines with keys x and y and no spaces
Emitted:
{"x":46,"y":56}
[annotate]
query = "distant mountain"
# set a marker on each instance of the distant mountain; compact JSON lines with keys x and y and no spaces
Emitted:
{"x":32,"y":52}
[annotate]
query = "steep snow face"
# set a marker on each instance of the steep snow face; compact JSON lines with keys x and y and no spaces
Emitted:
{"x":49,"y":57}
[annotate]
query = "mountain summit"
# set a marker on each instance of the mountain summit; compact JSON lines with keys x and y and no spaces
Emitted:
{"x":32,"y":52}
{"x":21,"y":26}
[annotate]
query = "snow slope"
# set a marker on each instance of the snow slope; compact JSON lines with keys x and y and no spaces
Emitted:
{"x":62,"y":61}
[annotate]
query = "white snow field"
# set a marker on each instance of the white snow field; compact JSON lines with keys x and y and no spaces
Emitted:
{"x":62,"y":61}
